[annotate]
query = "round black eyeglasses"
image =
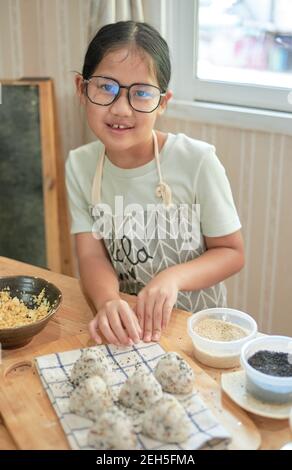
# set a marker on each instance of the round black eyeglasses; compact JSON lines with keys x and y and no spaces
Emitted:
{"x":142,"y":97}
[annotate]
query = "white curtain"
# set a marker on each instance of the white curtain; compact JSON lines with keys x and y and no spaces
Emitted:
{"x":111,"y":11}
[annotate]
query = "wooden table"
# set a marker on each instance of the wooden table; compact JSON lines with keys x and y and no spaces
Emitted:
{"x":72,"y":319}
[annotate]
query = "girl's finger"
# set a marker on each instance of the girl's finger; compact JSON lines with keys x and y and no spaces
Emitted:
{"x":140,"y":311}
{"x":148,"y":315}
{"x":140,"y":331}
{"x":137,"y":324}
{"x":129,"y":321}
{"x":117,"y":327}
{"x":92,"y":326}
{"x":166,"y":312}
{"x":107,"y":331}
{"x":157,"y":318}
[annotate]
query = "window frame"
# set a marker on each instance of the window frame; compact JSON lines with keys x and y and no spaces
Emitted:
{"x":178,"y":27}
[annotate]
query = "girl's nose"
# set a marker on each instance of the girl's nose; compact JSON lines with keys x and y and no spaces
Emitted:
{"x":121,"y":107}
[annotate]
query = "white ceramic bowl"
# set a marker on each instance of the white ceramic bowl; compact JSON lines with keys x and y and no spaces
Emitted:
{"x":263,"y":386}
{"x":221,"y":354}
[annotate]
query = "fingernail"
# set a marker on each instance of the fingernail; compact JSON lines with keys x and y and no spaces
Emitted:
{"x":130,"y":342}
{"x":147,"y":337}
{"x":156,"y":337}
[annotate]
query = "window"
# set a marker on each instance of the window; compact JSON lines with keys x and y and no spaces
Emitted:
{"x":232,"y":51}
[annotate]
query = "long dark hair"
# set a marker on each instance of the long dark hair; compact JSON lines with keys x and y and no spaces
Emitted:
{"x":142,"y":35}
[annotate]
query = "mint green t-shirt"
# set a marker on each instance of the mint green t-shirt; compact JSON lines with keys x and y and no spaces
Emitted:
{"x":195,"y":175}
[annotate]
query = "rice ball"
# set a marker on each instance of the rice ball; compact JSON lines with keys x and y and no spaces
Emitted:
{"x":91,"y":398}
{"x":140,"y":390}
{"x":113,"y":431}
{"x":91,"y":362}
{"x":167,"y":421}
{"x":174,"y":374}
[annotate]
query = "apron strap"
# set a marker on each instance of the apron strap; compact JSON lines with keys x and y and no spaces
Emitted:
{"x":162,"y":190}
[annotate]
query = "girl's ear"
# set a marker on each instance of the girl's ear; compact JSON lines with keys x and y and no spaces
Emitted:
{"x":79,"y":83}
{"x":165,"y":99}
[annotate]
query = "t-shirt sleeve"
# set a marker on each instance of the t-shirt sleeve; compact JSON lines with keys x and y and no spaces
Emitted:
{"x":81,"y":220}
{"x":218,"y":214}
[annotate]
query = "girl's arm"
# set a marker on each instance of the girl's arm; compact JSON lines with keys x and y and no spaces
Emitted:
{"x":114,"y":318}
{"x":224,"y":257}
{"x":97,"y":274}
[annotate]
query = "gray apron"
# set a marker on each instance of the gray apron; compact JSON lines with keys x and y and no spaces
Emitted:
{"x":137,"y":260}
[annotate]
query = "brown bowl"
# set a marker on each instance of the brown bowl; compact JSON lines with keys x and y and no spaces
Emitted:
{"x":24,"y":287}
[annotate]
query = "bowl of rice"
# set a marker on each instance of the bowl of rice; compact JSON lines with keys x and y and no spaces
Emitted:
{"x":27,"y":304}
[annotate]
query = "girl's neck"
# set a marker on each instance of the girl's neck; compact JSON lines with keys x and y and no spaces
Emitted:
{"x":137,"y":156}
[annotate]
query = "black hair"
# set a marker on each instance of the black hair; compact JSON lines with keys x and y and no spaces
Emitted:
{"x":146,"y":38}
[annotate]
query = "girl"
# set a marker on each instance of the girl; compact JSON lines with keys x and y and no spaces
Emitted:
{"x":159,"y":254}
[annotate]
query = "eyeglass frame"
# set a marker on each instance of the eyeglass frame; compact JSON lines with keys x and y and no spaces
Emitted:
{"x":127,"y":87}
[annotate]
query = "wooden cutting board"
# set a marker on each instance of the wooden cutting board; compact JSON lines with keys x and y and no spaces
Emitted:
{"x":31,"y":420}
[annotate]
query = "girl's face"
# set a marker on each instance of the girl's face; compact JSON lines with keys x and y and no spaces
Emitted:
{"x":127,"y":67}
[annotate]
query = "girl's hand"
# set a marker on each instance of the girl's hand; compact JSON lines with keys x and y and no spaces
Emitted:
{"x":117,"y":322}
{"x":155,"y":303}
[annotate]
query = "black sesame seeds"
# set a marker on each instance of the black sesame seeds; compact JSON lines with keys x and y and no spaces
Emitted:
{"x":274,"y":363}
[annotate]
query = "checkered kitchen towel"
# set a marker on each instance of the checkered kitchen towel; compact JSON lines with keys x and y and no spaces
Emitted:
{"x":55,"y":369}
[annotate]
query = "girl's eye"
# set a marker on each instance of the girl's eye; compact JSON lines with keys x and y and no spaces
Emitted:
{"x":110,"y":88}
{"x":142,"y":94}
